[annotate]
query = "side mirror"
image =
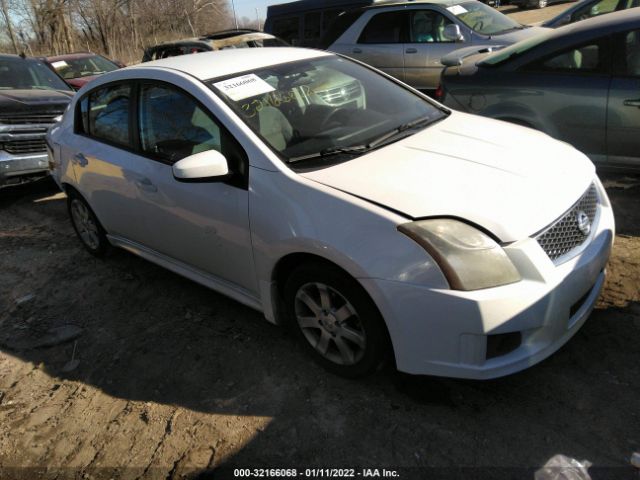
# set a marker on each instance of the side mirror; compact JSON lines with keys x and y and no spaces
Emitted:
{"x":209,"y":165}
{"x":452,"y":32}
{"x":119,"y":63}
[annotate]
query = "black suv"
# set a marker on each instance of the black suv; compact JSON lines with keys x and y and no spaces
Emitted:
{"x":31,"y":99}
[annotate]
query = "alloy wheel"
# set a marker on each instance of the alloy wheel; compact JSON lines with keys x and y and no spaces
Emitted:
{"x":330,"y":323}
{"x":85,"y":224}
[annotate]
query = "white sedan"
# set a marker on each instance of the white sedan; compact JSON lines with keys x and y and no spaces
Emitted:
{"x":338,"y":201}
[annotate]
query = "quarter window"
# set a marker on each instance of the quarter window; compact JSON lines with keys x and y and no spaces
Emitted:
{"x":106,"y":114}
{"x":384,"y":28}
{"x":427,"y":26}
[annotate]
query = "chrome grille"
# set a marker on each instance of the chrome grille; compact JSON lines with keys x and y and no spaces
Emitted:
{"x":340,"y":95}
{"x":29,"y":119}
{"x":17,"y":147}
{"x":563,"y":235}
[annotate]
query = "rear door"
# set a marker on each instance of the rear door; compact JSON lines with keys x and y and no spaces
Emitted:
{"x":381,"y":42}
{"x":425,"y":46}
{"x":102,"y":154}
{"x":623,"y":112}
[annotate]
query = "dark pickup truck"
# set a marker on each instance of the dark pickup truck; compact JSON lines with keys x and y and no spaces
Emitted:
{"x":32,"y":97}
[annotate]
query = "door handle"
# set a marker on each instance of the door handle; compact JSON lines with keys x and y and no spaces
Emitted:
{"x":632,"y":103}
{"x":411,"y":50}
{"x":80,"y":159}
{"x":146,"y":185}
{"x":357,"y":50}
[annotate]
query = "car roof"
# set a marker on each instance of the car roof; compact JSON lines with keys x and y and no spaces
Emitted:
{"x":302,"y":6}
{"x":217,"y":39}
{"x":70,"y":56}
{"x":10,"y":56}
{"x":601,"y":24}
{"x":221,"y":63}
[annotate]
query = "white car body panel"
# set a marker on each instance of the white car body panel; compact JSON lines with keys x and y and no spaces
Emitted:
{"x":489,"y":173}
{"x":431,"y":174}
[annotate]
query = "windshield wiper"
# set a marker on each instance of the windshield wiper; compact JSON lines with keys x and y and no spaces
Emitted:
{"x":359,"y":149}
{"x":327,"y":152}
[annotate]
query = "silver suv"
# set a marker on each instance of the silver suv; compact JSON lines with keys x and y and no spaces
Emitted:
{"x":408,"y":39}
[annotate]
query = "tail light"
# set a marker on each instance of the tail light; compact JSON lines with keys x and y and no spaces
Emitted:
{"x":439,"y":93}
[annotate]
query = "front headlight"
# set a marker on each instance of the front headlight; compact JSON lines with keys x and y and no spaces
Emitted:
{"x":468,"y":258}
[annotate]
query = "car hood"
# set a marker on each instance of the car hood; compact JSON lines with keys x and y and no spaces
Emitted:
{"x":80,"y":82}
{"x":24,"y":101}
{"x":510,"y":180}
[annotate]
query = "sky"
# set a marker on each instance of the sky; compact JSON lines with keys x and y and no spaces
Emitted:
{"x":247,"y":8}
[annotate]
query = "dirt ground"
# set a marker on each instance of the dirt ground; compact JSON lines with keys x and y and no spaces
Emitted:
{"x":175,"y":379}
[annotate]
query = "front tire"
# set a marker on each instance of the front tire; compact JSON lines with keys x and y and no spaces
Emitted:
{"x":335,"y":320}
{"x":86,"y":224}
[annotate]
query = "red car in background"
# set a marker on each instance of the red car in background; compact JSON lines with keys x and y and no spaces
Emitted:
{"x":77,"y":69}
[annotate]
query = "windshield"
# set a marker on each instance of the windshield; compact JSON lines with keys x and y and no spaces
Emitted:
{"x":515,"y":50}
{"x":483,"y":19}
{"x":323,"y":106}
{"x":28,"y":74}
{"x":83,"y":67}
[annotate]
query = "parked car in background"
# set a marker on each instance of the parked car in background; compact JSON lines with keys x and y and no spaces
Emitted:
{"x":77,"y":69}
{"x":303,"y":23}
{"x":408,"y":39}
{"x":32,"y":98}
{"x":589,"y":8}
{"x":463,"y":246}
{"x":579,"y":83}
{"x":215,"y":41}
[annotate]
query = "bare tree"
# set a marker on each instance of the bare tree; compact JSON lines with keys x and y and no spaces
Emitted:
{"x":7,"y":20}
{"x":116,"y":28}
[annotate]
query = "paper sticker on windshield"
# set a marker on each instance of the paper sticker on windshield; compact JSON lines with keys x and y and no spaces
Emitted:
{"x":246,"y":86}
{"x":59,"y":64}
{"x":457,"y":9}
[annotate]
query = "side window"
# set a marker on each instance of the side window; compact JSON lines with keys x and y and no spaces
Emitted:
{"x":384,"y":28}
{"x":427,"y":26}
{"x":312,"y":26}
{"x":631,"y":55}
{"x":288,"y":29}
{"x":328,"y":16}
{"x":104,"y":114}
{"x":583,"y":59}
{"x":186,"y":130}
{"x":600,"y":8}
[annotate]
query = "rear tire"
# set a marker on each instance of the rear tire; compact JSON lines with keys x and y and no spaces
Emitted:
{"x":86,"y":224}
{"x":335,"y":320}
